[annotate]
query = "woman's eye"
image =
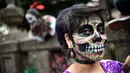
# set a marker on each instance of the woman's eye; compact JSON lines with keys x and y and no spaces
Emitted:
{"x":85,"y":32}
{"x":30,"y":18}
{"x":101,"y":30}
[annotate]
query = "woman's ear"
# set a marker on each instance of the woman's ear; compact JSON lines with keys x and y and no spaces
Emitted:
{"x":68,"y":41}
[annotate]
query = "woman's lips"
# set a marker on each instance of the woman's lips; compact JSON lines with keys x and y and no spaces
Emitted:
{"x":88,"y":48}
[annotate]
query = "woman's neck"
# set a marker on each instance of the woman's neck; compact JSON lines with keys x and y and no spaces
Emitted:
{"x":85,"y":61}
{"x":93,"y":65}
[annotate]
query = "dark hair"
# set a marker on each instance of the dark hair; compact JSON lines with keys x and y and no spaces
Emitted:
{"x":69,"y":19}
{"x":34,"y":12}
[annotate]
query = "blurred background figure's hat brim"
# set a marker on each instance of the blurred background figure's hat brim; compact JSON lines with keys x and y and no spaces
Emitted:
{"x":123,"y":6}
{"x":117,"y":24}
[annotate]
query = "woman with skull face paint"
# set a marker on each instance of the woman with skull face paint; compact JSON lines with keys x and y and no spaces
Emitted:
{"x":80,"y":32}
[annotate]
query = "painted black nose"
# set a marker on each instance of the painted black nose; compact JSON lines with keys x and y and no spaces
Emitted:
{"x":97,"y":38}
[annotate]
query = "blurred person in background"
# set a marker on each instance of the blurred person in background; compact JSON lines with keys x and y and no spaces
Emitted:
{"x":42,"y":28}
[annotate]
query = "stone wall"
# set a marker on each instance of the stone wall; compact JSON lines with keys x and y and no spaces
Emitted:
{"x":19,"y":55}
{"x":119,"y":42}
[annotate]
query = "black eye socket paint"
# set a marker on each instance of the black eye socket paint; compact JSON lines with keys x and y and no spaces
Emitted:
{"x":100,"y":28}
{"x":85,"y":30}
{"x":30,"y":18}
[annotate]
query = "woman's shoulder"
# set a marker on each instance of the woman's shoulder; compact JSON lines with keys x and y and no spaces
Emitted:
{"x":111,"y":66}
{"x":66,"y":71}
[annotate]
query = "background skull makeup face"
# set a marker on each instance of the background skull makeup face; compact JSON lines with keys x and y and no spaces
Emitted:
{"x":90,"y":40}
{"x":31,"y":18}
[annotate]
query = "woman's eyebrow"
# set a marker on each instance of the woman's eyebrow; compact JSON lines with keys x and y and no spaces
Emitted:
{"x":100,"y":23}
{"x":84,"y":25}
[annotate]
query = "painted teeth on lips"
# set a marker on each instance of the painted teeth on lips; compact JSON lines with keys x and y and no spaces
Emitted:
{"x":98,"y":48}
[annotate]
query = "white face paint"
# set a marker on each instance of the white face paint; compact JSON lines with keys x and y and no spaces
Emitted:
{"x":31,"y":18}
{"x":90,"y":39}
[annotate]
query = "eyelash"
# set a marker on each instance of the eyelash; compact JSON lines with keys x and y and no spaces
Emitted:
{"x":88,"y":30}
{"x":86,"y":33}
{"x":101,"y":30}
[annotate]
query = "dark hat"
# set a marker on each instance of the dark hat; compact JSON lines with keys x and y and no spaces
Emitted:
{"x":60,"y":25}
{"x":117,"y":24}
{"x":123,"y":6}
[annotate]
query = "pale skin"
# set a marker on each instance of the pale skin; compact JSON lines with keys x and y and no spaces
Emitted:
{"x":127,"y":62}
